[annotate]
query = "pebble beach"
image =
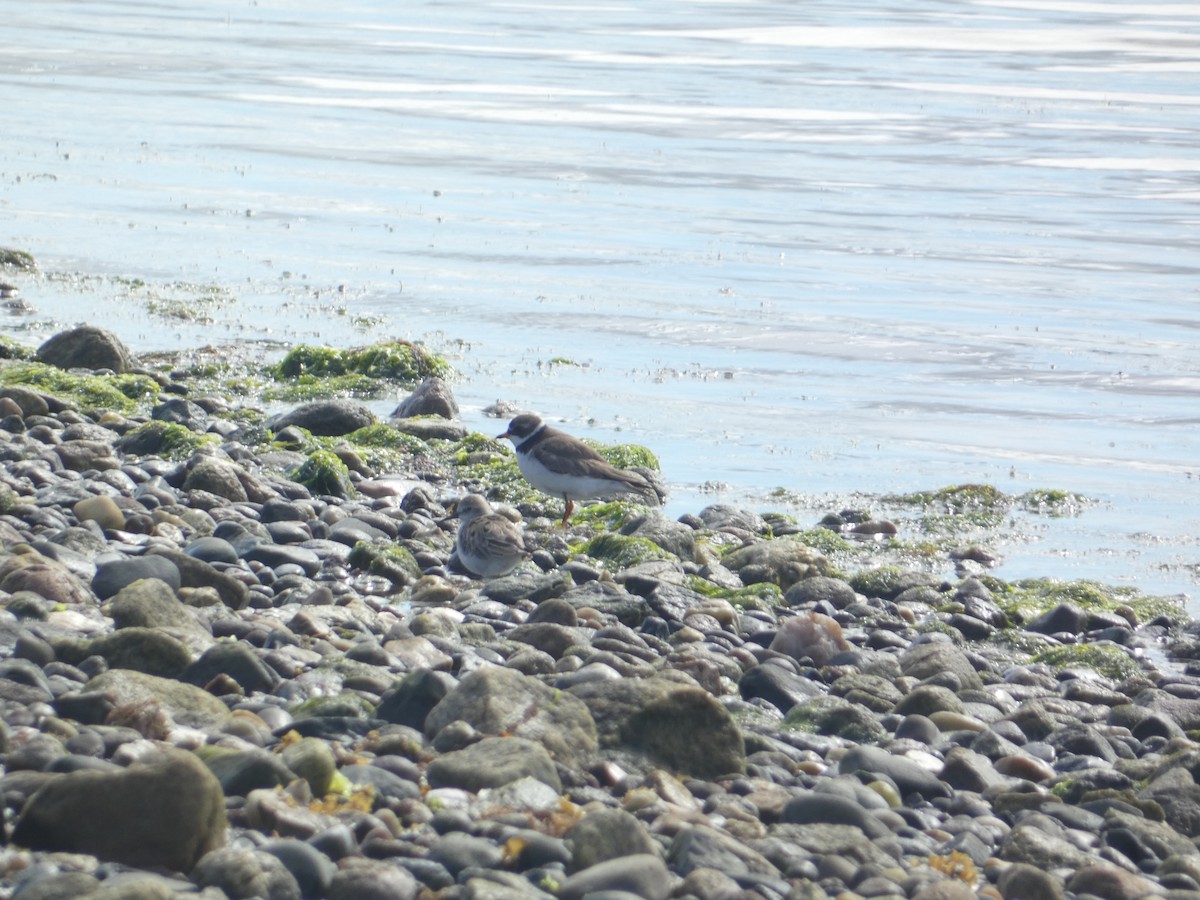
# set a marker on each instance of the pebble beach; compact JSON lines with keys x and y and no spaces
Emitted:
{"x":239,"y":659}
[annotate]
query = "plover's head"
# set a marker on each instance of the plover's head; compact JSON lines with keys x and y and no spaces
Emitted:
{"x":522,"y":427}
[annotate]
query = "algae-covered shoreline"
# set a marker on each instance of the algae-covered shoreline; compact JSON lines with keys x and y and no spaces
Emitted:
{"x":238,"y":657}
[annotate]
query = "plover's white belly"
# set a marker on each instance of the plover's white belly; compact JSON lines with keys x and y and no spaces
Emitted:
{"x":573,"y":487}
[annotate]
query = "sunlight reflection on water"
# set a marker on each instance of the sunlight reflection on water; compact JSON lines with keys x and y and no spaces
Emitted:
{"x":816,"y":246}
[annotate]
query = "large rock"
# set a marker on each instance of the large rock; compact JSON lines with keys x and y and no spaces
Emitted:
{"x":196,"y":573}
{"x":820,"y":589}
{"x":414,"y":696}
{"x":86,"y":347}
{"x":781,"y":561}
{"x":217,"y":476}
{"x":45,"y":577}
{"x":113,"y":576}
{"x":642,"y":875}
{"x":328,"y":418}
{"x":186,"y":704}
{"x":499,"y":701}
{"x":243,"y":873}
{"x":236,"y":660}
{"x":150,"y":603}
{"x":778,"y":685}
{"x":605,"y":834}
{"x":937,"y":657}
{"x":166,"y":811}
{"x":674,"y":724}
{"x":147,"y":650}
{"x":908,"y":776}
{"x":493,"y":762}
{"x":431,"y":398}
{"x":672,"y":536}
{"x":32,"y":402}
{"x":1043,"y":850}
{"x":369,"y":879}
{"x":701,"y":846}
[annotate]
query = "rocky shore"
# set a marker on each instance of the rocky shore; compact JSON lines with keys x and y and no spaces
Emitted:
{"x":239,"y":659}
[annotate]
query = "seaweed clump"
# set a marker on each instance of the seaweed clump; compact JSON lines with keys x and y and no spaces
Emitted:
{"x":325,"y":474}
{"x":91,"y":393}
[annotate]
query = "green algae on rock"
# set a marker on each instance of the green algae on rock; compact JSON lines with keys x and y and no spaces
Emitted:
{"x":17,"y":259}
{"x":622,"y":551}
{"x":394,"y":361}
{"x":763,"y":595}
{"x":1108,"y":660}
{"x":387,"y":559}
{"x":626,"y":456}
{"x":166,"y":439}
{"x":325,"y":474}
{"x":10,"y":349}
{"x":1030,"y":597}
{"x":310,"y":372}
{"x":91,"y":393}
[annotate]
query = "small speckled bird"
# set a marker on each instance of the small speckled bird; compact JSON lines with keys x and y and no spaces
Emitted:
{"x":487,"y":543}
{"x":556,"y":463}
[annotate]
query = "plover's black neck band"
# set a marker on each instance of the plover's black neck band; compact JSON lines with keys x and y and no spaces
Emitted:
{"x":534,"y":439}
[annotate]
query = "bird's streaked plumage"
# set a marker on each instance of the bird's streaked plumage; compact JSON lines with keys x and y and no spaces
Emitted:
{"x":487,"y":543}
{"x":556,"y":463}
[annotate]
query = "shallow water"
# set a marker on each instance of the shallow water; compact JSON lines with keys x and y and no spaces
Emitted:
{"x":823,"y":247}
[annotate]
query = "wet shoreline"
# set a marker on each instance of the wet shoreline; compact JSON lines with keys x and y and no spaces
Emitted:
{"x":273,"y":624}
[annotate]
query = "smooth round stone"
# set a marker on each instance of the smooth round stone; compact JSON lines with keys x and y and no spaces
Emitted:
{"x":246,"y":873}
{"x":457,"y":851}
{"x":289,"y":532}
{"x":366,"y":879}
{"x":947,"y":720}
{"x":920,"y":728}
{"x":311,"y":868}
{"x":212,"y":549}
{"x":642,"y":875}
{"x":102,"y":510}
{"x":336,"y":842}
{"x":833,"y":809}
{"x":116,"y":574}
{"x":1026,"y":767}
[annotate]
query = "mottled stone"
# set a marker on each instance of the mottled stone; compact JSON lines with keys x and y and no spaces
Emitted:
{"x":165,"y":811}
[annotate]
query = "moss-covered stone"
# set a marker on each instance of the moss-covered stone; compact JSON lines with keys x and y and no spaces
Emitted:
{"x":622,"y":551}
{"x":958,"y":498}
{"x":323,"y":473}
{"x":1028,"y":598}
{"x":91,"y":393}
{"x":10,"y":349}
{"x":823,"y":540}
{"x":386,"y":559}
{"x":756,"y":596}
{"x":311,"y":759}
{"x":607,"y":516}
{"x":395,"y":361}
{"x":166,"y":439}
{"x":346,"y":705}
{"x":476,"y":447}
{"x":835,"y":716}
{"x":627,"y":456}
{"x":17,"y":259}
{"x":881,"y":581}
{"x":382,"y":436}
{"x":1108,"y":660}
{"x":1052,"y":501}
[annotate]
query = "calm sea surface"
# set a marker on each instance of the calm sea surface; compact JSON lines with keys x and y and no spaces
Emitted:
{"x":829,"y":247}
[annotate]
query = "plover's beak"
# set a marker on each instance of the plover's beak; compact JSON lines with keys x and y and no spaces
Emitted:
{"x":501,"y":437}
